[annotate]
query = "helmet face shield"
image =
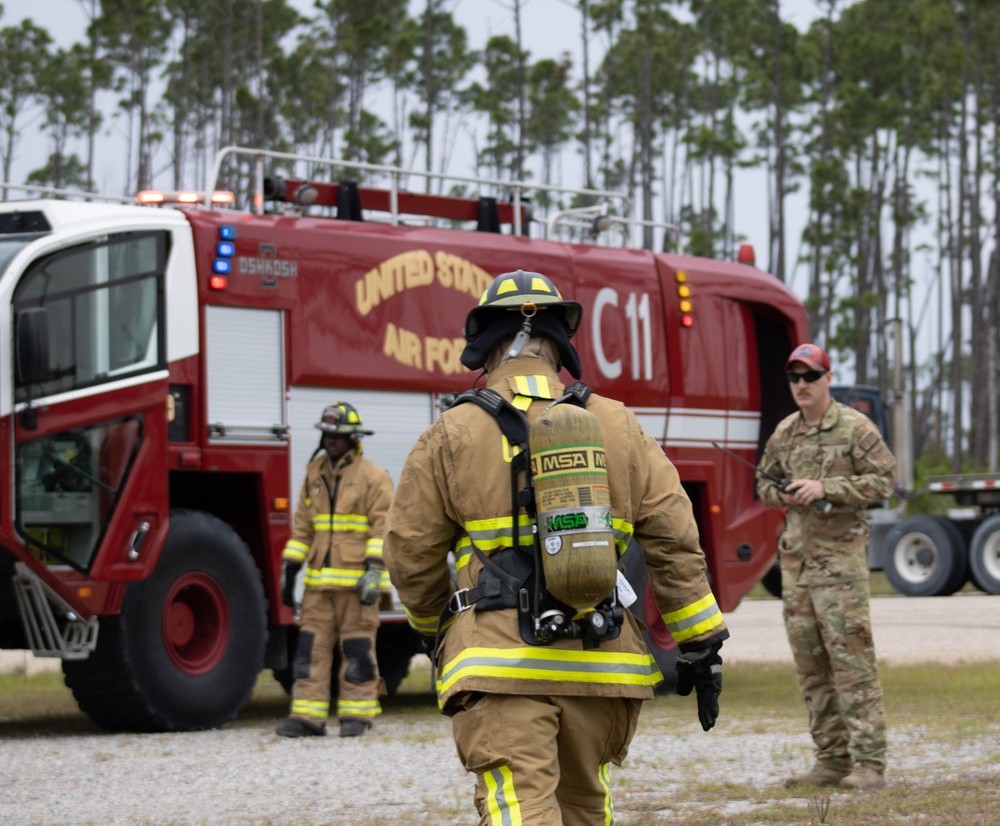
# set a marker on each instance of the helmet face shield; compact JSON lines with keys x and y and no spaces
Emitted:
{"x":341,"y":418}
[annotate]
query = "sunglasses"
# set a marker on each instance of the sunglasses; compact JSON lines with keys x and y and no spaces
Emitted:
{"x":809,"y":376}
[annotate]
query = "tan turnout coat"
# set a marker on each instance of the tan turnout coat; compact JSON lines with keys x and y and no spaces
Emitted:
{"x":456,"y":488}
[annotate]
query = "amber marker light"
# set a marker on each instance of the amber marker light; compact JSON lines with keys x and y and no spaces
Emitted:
{"x":280,"y":504}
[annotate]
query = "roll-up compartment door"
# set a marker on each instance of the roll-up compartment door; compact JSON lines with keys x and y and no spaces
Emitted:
{"x":245,"y":374}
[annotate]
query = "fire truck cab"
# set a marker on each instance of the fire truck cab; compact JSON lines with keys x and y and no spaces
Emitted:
{"x":163,"y":368}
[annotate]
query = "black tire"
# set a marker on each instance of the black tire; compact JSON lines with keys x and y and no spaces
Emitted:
{"x":658,"y":640}
{"x":772,"y":580}
{"x":925,"y":557}
{"x":984,"y":555}
{"x":186,"y":649}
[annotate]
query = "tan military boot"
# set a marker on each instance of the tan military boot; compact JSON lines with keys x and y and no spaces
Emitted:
{"x":818,"y":775}
{"x":864,"y":777}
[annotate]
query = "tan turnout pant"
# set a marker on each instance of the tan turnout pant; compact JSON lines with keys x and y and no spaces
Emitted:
{"x":336,"y":618}
{"x":541,"y":760}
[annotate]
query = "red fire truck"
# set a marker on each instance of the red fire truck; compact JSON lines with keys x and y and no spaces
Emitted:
{"x":164,"y":368}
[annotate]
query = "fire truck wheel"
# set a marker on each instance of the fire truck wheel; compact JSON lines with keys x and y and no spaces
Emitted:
{"x":925,"y":557}
{"x":659,"y":641}
{"x":186,"y":649}
{"x":984,"y":555}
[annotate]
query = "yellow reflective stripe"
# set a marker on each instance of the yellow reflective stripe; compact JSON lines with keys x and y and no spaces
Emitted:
{"x":463,"y":553}
{"x":384,"y":583}
{"x":501,"y":799}
{"x":604,"y":777}
{"x":358,"y":708}
{"x":550,"y":664}
{"x":373,"y":547}
{"x":522,"y":403}
{"x":295,"y":551}
{"x":341,"y":522}
{"x":491,"y":534}
{"x":623,"y":534}
{"x":422,"y":625}
{"x":311,"y":708}
{"x":693,"y":620}
{"x":333,"y":577}
{"x":428,"y":626}
{"x":536,"y":387}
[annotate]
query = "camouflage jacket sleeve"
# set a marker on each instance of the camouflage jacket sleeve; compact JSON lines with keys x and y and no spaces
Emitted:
{"x":868,"y":474}
{"x":770,"y":463}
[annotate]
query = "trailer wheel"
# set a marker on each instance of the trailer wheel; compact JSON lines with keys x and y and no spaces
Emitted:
{"x":925,"y":557}
{"x":659,"y":640}
{"x":984,"y":555}
{"x":186,"y":649}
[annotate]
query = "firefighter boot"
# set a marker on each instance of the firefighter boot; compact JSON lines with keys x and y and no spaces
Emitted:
{"x":353,"y":728}
{"x":864,"y":777}
{"x":294,"y":727}
{"x":818,"y":775}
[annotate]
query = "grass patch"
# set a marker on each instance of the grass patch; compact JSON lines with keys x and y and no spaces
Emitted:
{"x":944,"y":749}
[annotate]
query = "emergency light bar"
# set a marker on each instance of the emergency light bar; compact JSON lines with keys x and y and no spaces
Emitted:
{"x":162,"y":197}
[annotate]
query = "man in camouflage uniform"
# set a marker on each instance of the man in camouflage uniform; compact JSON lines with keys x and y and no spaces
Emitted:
{"x":833,"y":454}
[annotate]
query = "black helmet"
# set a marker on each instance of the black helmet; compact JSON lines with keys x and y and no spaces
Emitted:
{"x":342,"y":418}
{"x":512,"y":298}
{"x":512,"y":292}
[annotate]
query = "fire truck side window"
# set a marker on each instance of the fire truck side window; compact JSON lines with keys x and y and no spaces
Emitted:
{"x":105,"y":303}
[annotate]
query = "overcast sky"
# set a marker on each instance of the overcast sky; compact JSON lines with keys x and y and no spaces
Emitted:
{"x":549,"y":28}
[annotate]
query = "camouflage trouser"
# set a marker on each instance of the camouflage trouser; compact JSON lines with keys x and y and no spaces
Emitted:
{"x":829,"y":630}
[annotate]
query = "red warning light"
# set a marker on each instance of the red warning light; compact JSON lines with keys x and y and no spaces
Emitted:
{"x":218,"y":282}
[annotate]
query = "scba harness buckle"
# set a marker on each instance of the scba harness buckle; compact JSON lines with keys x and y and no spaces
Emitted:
{"x":460,"y":601}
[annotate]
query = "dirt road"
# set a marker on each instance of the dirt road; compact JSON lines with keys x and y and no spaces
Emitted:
{"x":947,"y":630}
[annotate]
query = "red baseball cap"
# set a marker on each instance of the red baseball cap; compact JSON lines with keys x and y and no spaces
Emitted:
{"x":810,"y":355}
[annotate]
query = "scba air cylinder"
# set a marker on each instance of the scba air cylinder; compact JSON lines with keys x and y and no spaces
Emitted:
{"x":574,"y":506}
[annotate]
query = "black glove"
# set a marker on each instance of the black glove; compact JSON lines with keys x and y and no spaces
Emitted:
{"x":288,"y":584}
{"x":368,"y":585}
{"x":702,"y":671}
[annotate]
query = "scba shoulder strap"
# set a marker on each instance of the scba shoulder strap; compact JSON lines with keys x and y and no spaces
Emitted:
{"x":513,"y":577}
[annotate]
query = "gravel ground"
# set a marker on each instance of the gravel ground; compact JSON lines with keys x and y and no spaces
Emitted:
{"x":406,"y":771}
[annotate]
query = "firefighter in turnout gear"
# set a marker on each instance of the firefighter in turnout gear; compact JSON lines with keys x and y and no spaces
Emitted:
{"x":337,"y":535}
{"x":543,"y":697}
